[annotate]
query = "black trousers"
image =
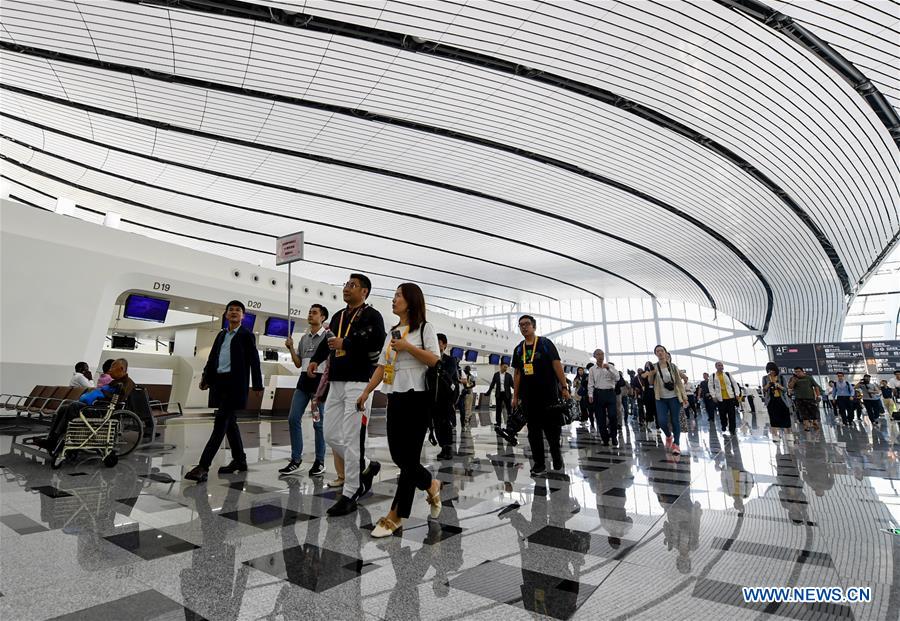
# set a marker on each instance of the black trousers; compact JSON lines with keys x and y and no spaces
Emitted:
{"x":845,"y":409}
{"x":541,"y":425}
{"x":61,"y":423}
{"x":728,"y":414}
{"x":225,"y":424}
{"x":443,"y":426}
{"x":503,"y":400}
{"x":752,"y":402}
{"x":710,"y":404}
{"x":407,"y":424}
{"x":605,"y":412}
{"x":873,"y":408}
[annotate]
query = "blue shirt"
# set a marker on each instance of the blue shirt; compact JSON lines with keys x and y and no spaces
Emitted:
{"x":225,"y":352}
{"x":842,"y":389}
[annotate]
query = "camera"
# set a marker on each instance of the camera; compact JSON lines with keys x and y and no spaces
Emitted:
{"x":395,"y":334}
{"x":669,"y":385}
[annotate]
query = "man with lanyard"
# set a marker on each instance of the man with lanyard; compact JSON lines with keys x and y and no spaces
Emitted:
{"x":602,"y":379}
{"x":725,"y":391}
{"x":843,"y":393}
{"x":709,"y":404}
{"x":538,"y":381}
{"x":351,"y":354}
{"x":306,"y":390}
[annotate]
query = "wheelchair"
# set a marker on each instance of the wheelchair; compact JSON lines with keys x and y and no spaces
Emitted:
{"x":105,"y":430}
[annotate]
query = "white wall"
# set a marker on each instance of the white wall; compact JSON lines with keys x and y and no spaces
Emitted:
{"x":60,"y":277}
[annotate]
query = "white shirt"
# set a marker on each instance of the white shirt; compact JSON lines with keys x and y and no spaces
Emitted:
{"x":602,"y":379}
{"x":409,"y":373}
{"x":502,"y":381}
{"x":80,"y":380}
{"x":894,"y":383}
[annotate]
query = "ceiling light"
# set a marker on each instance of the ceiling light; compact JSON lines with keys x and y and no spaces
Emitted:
{"x":65,"y":206}
{"x":112,"y":220}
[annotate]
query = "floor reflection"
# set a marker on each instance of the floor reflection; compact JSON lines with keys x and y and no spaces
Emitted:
{"x":628,"y":531}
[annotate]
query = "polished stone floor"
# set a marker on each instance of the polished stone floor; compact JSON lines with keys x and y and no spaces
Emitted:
{"x":624,"y":533}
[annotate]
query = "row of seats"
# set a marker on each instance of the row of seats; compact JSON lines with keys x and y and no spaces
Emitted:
{"x":44,"y":401}
{"x":41,"y":401}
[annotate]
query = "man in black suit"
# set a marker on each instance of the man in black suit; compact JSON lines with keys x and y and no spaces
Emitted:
{"x":232,"y":361}
{"x":503,"y":381}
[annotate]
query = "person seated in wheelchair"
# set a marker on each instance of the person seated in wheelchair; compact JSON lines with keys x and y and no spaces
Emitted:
{"x":121,"y":385}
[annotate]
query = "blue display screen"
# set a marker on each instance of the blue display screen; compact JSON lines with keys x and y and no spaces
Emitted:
{"x":472,"y":355}
{"x":505,"y":359}
{"x":146,"y":309}
{"x":456,"y":352}
{"x":494,"y":359}
{"x":276,"y":326}
{"x":248,"y":321}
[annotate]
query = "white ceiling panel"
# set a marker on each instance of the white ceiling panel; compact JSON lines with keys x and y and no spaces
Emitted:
{"x":738,"y":180}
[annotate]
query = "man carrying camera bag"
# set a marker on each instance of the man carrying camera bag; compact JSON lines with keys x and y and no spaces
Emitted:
{"x":538,"y":382}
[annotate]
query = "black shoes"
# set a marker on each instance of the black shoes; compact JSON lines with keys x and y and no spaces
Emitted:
{"x":445,"y":453}
{"x":539,"y":470}
{"x":234,"y":466}
{"x":317,"y":470}
{"x":198,"y":474}
{"x":293,"y":467}
{"x":559,"y":465}
{"x":344,"y":506}
{"x":368,"y":475}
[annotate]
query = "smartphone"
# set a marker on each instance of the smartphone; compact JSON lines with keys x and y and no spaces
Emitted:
{"x":395,"y":334}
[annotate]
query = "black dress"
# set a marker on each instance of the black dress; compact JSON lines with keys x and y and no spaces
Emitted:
{"x":779,"y":414}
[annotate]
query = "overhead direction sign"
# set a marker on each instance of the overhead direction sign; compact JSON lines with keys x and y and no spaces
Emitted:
{"x":289,"y":248}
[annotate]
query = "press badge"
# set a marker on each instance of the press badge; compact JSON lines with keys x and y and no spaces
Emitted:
{"x":388,"y":374}
{"x":339,"y":352}
{"x":528,"y":369}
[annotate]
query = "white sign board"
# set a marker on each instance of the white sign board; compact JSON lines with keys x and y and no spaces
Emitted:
{"x":289,"y":248}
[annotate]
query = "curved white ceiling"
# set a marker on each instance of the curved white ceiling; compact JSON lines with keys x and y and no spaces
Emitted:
{"x":494,"y":151}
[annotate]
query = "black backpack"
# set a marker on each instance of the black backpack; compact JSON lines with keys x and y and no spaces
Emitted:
{"x":441,"y":382}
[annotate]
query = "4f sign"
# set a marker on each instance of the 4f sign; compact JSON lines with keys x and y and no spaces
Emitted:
{"x":289,"y":248}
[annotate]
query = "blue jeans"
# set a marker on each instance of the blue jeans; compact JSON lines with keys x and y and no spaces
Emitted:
{"x":669,"y":410}
{"x":299,"y":403}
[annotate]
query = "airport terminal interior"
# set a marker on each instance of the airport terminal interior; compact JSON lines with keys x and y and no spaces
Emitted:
{"x":449,"y":309}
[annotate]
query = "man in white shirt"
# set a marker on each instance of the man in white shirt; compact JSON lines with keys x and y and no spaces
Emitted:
{"x":82,"y":376}
{"x":894,"y":383}
{"x":602,"y":380}
{"x":306,"y":390}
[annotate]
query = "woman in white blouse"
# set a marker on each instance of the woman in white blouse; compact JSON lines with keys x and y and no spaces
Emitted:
{"x":409,"y":349}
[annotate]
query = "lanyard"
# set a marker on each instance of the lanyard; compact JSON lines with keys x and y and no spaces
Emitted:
{"x":341,"y":334}
{"x":533,"y":350}
{"x":390,"y":349}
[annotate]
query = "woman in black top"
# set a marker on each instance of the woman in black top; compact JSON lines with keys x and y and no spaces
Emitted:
{"x":773,"y":395}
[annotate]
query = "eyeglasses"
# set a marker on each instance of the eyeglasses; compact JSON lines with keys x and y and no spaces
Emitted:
{"x":351,"y":285}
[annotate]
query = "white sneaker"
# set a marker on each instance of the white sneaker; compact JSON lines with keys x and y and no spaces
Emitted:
{"x":338,"y":482}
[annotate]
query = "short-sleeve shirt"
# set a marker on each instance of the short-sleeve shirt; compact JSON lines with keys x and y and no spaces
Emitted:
{"x":803,"y":388}
{"x":542,"y":387}
{"x":409,"y":372}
